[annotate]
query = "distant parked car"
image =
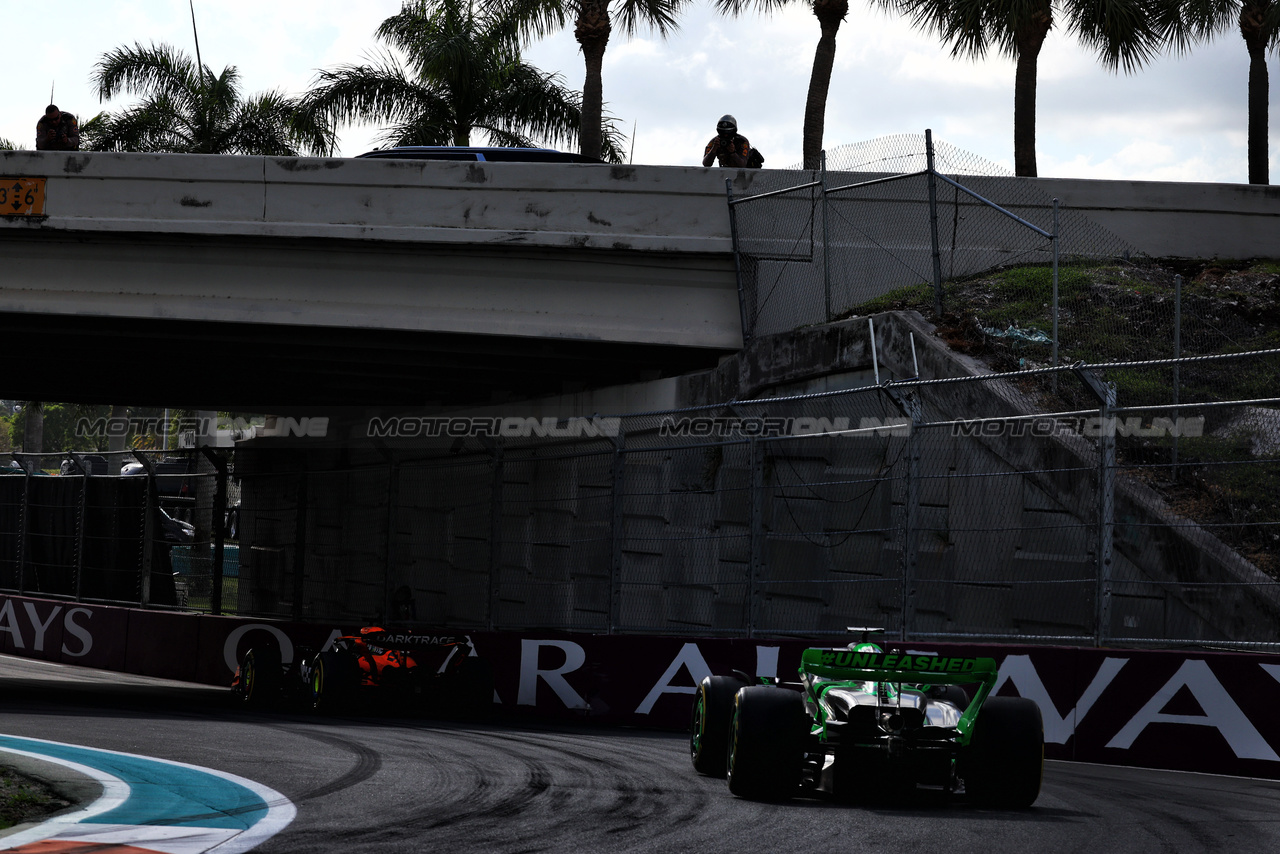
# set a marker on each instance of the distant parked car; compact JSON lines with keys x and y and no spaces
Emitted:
{"x":96,"y":464}
{"x":473,"y":154}
{"x":166,"y":483}
{"x":175,"y":531}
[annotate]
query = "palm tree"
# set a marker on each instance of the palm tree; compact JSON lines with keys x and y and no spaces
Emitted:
{"x":463,"y":74}
{"x":186,"y":109}
{"x":830,"y":14}
{"x":1259,"y":24}
{"x":1125,"y":33}
{"x":592,"y":25}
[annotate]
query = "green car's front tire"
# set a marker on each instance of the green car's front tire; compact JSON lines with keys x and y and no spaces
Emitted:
{"x":712,"y":718}
{"x":766,"y":743}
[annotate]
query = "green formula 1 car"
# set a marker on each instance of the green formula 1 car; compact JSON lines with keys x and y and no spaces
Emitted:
{"x":862,"y":722}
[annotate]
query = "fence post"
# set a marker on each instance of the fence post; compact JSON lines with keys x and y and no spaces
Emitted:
{"x":300,"y":546}
{"x":756,"y":564}
{"x":737,"y":263}
{"x":218,"y":529}
{"x":826,"y":255}
{"x":911,"y":546}
{"x":1177,"y":354}
{"x":1055,"y":291}
{"x":617,"y":520}
{"x":495,"y":532}
{"x":24,"y":524}
{"x":1106,"y":510}
{"x":80,"y":518}
{"x":150,"y":510}
{"x":933,"y":223}
{"x":393,"y":507}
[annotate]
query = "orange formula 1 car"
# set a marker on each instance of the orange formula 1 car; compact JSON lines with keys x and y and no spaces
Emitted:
{"x":431,"y":672}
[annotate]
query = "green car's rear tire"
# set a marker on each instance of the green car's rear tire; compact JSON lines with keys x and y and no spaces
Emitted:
{"x":1003,"y":764}
{"x":712,"y":719}
{"x":261,"y":675}
{"x":766,"y":743}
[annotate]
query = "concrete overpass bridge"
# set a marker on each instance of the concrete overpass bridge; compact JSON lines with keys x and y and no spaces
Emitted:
{"x":259,"y":282}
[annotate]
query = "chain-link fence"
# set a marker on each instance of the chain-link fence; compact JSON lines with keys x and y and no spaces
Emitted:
{"x":890,"y":505}
{"x":897,"y":217}
{"x":893,"y":505}
{"x":140,"y":527}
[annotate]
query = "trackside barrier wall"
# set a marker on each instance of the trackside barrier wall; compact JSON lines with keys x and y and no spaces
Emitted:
{"x":1191,"y":711}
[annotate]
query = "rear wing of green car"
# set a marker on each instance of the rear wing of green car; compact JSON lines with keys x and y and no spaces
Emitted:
{"x":851,"y":666}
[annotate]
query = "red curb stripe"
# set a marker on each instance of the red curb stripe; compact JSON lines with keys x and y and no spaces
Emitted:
{"x":59,"y":846}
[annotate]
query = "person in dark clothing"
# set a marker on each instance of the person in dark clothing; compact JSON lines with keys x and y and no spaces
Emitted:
{"x":727,"y":146}
{"x":57,"y":131}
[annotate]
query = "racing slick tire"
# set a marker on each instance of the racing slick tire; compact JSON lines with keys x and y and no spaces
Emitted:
{"x":766,"y":743}
{"x":261,"y":676}
{"x":1003,"y":764}
{"x":712,"y":719}
{"x":334,"y":679}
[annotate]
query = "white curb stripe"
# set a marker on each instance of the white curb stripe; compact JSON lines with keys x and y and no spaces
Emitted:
{"x":280,"y":810}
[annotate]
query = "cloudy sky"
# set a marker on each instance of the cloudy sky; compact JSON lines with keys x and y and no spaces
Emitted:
{"x":1179,"y":119}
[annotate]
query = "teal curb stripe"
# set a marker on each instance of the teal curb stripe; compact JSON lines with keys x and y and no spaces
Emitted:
{"x":161,"y":794}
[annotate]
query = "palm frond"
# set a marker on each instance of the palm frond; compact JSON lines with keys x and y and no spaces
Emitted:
{"x":363,"y":93}
{"x":969,"y":26}
{"x":535,"y":19}
{"x":263,"y":125}
{"x":461,"y":71}
{"x":155,"y":70}
{"x":149,"y":126}
{"x":763,"y":7}
{"x":1124,"y":33}
{"x":660,"y":15}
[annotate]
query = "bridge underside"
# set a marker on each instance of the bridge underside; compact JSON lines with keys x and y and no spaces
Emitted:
{"x":262,"y":324}
{"x":267,"y":367}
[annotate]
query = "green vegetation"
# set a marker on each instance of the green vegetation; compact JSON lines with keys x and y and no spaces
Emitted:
{"x":22,"y":799}
{"x":462,"y":73}
{"x":202,"y":600}
{"x":187,"y":109}
{"x":1227,"y":477}
{"x":1115,"y":312}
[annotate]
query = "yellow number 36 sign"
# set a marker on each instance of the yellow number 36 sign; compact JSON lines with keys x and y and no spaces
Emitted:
{"x":21,"y":196}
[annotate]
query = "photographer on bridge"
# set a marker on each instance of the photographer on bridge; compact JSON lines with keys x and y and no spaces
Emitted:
{"x":57,"y":131}
{"x":728,"y":146}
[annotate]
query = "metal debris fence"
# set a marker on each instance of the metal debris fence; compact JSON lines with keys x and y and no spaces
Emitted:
{"x":75,"y":525}
{"x":895,"y":213}
{"x":888,"y":505}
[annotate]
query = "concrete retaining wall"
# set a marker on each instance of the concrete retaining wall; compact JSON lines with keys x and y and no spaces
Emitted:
{"x":1181,"y":220}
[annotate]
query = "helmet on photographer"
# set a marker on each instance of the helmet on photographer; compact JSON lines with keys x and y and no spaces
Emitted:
{"x":727,"y":126}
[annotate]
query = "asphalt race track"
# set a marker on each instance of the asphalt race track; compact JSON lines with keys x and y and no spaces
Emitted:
{"x":386,"y":784}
